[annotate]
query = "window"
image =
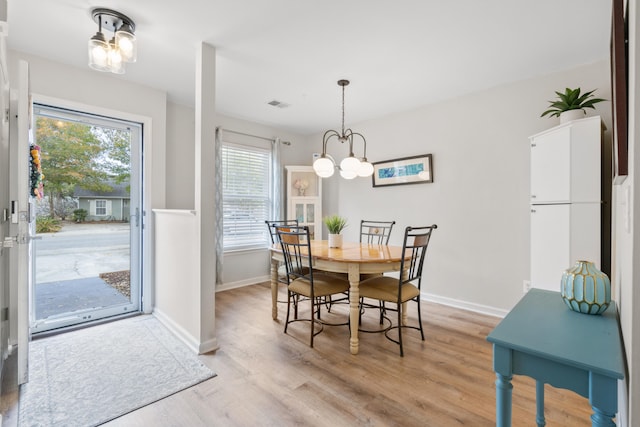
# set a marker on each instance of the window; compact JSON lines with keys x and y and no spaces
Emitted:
{"x":246,"y":196}
{"x":101,"y":207}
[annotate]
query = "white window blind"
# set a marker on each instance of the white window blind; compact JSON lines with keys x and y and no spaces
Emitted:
{"x":246,"y":198}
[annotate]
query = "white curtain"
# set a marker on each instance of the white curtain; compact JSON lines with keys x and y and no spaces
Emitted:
{"x":277,"y":210}
{"x":218,"y":202}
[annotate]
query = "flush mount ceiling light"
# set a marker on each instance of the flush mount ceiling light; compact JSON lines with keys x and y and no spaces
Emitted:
{"x":350,"y":167}
{"x":111,"y":55}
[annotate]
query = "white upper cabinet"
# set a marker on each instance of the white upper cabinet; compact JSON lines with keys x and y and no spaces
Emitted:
{"x":565,"y":163}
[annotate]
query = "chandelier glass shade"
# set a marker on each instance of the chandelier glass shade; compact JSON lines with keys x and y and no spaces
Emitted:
{"x":351,"y":166}
{"x":110,"y":56}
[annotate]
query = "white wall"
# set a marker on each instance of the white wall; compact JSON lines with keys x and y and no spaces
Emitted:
{"x":479,"y":255}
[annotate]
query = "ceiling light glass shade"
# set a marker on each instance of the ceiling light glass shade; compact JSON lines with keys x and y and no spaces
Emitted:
{"x":126,"y":42}
{"x":325,"y":173}
{"x":348,"y":174}
{"x":114,"y":58}
{"x":323,"y":165}
{"x":350,"y":164}
{"x":365,"y":169}
{"x":98,"y":52}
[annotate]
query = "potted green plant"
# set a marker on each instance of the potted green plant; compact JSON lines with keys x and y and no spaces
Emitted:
{"x":571,"y":104}
{"x":335,"y":224}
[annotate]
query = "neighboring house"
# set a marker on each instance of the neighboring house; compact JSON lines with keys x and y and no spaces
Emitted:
{"x":105,"y":205}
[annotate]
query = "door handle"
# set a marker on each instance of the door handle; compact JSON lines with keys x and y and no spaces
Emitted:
{"x":136,"y":216}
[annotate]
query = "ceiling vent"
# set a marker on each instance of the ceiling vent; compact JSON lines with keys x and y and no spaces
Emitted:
{"x":278,"y":104}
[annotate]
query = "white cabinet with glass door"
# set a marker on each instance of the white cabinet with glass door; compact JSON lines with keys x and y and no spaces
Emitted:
{"x":304,"y":198}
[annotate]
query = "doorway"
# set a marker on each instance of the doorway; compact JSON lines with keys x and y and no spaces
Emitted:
{"x":86,"y":251}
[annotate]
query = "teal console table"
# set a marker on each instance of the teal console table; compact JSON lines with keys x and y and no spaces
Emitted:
{"x":545,"y":340}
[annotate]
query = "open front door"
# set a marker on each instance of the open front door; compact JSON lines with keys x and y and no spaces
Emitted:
{"x":20,"y":271}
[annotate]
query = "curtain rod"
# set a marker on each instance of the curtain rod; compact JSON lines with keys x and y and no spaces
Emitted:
{"x":253,"y":136}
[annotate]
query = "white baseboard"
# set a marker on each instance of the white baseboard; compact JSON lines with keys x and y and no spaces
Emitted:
{"x":184,"y":336}
{"x":208,"y":346}
{"x":464,"y":305}
{"x":242,"y":283}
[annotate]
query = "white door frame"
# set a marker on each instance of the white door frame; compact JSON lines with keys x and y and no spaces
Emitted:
{"x":20,"y":256}
{"x":147,"y":232}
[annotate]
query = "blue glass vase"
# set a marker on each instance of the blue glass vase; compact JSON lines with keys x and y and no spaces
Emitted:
{"x":586,"y":289}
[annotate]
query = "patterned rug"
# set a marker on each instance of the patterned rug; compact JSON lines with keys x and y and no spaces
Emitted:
{"x":90,"y":376}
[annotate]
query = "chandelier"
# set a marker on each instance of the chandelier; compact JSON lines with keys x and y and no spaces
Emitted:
{"x":351,"y":166}
{"x":111,"y":55}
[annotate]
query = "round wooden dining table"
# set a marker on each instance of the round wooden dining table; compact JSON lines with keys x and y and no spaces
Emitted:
{"x":352,"y":258}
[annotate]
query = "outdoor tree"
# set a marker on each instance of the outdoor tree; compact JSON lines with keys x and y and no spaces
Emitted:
{"x":76,"y":154}
{"x":115,"y":159}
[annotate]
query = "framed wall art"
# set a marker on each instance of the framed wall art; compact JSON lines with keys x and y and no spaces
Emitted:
{"x":405,"y":170}
{"x":619,"y":54}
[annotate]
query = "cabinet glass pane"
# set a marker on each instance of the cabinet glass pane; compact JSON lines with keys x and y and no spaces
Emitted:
{"x":312,"y":234}
{"x":300,"y":212}
{"x":311,"y":212}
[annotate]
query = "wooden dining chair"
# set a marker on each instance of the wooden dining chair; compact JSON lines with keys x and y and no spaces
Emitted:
{"x":271,"y":225}
{"x":303,"y":280}
{"x":405,"y":288}
{"x":375,"y":232}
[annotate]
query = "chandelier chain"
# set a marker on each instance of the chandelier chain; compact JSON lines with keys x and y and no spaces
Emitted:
{"x":342,"y":111}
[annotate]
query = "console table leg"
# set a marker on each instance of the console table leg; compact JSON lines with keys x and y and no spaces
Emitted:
{"x":540,"y":404}
{"x":503,"y":400}
{"x":601,"y":418}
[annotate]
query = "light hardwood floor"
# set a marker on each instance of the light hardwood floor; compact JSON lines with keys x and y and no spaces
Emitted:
{"x":267,"y":378}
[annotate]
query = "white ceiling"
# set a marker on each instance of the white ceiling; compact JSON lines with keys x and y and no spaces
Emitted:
{"x":398,"y":55}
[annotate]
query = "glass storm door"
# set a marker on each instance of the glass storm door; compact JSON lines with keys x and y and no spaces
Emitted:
{"x":86,"y":250}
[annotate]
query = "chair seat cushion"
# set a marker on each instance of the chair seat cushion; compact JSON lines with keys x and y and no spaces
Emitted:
{"x":385,"y":288}
{"x":323,"y":285}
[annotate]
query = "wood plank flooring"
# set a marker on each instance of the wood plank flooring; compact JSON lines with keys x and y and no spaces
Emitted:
{"x":267,"y":378}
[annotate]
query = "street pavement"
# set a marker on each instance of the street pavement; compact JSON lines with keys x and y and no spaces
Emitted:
{"x":78,"y":251}
{"x":68,"y":264}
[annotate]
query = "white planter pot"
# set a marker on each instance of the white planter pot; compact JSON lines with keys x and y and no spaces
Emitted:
{"x":335,"y":240}
{"x":569,"y":115}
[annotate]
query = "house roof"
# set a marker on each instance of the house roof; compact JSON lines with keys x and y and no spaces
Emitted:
{"x":120,"y":191}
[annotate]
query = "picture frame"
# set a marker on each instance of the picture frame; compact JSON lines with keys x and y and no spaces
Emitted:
{"x":619,"y":71}
{"x":403,"y":171}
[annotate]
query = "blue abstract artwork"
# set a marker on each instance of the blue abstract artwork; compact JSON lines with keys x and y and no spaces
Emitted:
{"x":400,"y":171}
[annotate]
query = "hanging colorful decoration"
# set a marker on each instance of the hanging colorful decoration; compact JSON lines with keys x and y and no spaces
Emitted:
{"x":36,"y":177}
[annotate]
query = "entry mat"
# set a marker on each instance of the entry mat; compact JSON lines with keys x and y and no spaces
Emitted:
{"x":93,"y":375}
